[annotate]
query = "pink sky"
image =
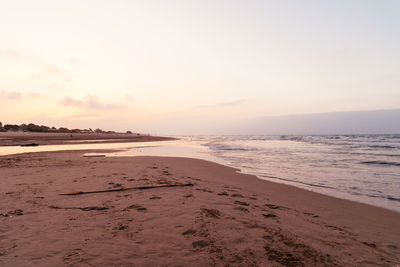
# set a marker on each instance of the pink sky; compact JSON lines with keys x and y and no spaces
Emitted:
{"x":150,"y":65}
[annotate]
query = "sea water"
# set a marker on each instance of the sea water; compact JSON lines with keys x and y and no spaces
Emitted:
{"x":364,"y":168}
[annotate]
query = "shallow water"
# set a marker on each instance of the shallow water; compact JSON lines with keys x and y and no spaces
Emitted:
{"x":175,"y":148}
{"x":7,"y":150}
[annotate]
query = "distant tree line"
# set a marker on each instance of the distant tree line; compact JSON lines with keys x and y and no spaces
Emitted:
{"x":46,"y":129}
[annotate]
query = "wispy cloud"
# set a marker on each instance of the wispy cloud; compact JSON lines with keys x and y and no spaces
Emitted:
{"x":129,"y":98}
{"x":89,"y":102}
{"x":36,"y":95}
{"x":94,"y":102}
{"x":53,"y":75}
{"x":10,"y":95}
{"x":69,"y":101}
{"x":9,"y":53}
{"x":54,"y":70}
{"x":16,"y":96}
{"x":224,"y":104}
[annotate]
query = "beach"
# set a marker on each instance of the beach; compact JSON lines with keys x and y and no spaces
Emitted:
{"x":169,"y":211}
{"x":199,"y":133}
{"x":27,"y":138}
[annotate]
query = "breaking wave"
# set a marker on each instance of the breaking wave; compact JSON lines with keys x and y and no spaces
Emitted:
{"x":364,"y":168}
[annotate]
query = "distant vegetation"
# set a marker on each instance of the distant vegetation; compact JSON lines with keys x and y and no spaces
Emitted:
{"x":46,"y":129}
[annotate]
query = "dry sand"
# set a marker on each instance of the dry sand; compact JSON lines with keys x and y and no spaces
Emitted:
{"x":225,"y":219}
{"x":22,"y":138}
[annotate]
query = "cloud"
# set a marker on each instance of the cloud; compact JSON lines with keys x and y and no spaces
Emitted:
{"x":76,"y":61}
{"x":68,"y":101}
{"x":85,"y":116}
{"x":224,"y":104}
{"x":13,"y":96}
{"x":55,"y":76}
{"x":9,"y":53}
{"x":48,"y":69}
{"x":95,"y":103}
{"x":89,"y":102}
{"x":129,"y":98}
{"x":9,"y":95}
{"x":36,"y":95}
{"x":53,"y":70}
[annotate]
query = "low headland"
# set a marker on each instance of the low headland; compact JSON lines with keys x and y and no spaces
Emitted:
{"x":32,"y":135}
{"x":62,"y":208}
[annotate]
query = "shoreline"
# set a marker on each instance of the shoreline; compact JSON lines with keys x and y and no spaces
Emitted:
{"x":84,"y":145}
{"x":225,"y":218}
{"x":23,"y":138}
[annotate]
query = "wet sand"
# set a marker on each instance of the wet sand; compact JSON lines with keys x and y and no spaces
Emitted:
{"x":24,"y":138}
{"x":223,"y":219}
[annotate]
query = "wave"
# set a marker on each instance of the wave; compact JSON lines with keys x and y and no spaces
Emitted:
{"x":379,"y":162}
{"x":382,"y":196}
{"x":393,"y":198}
{"x":382,"y":146}
{"x":219,"y":146}
{"x":338,"y":165}
{"x":385,"y":197}
{"x":297,"y":182}
{"x":235,"y":149}
{"x":329,"y":187}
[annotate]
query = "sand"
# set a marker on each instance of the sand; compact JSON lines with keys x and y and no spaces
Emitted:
{"x":224,"y":219}
{"x":23,"y":138}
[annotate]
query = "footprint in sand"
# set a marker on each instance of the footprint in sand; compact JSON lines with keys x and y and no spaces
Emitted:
{"x":204,"y":190}
{"x":276,"y":207}
{"x":165,"y":172}
{"x":192,"y":178}
{"x":121,"y":227}
{"x":17,"y":212}
{"x":241,"y":203}
{"x":372,"y":245}
{"x":189,"y":232}
{"x":136,"y":207}
{"x":200,"y":244}
{"x":211,"y":213}
{"x":270,"y":215}
{"x":310,"y":214}
{"x":241,"y":209}
{"x":74,"y":258}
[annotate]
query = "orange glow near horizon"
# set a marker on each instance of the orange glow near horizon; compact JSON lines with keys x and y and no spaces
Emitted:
{"x":133,"y":64}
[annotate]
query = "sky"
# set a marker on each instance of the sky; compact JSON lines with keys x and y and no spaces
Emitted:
{"x":153,"y":66}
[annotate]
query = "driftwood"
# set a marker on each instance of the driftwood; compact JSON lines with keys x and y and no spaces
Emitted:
{"x":33,"y":144}
{"x":78,"y":208}
{"x":124,"y":189}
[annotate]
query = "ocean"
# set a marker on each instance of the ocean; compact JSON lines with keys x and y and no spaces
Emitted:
{"x":363,"y":168}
